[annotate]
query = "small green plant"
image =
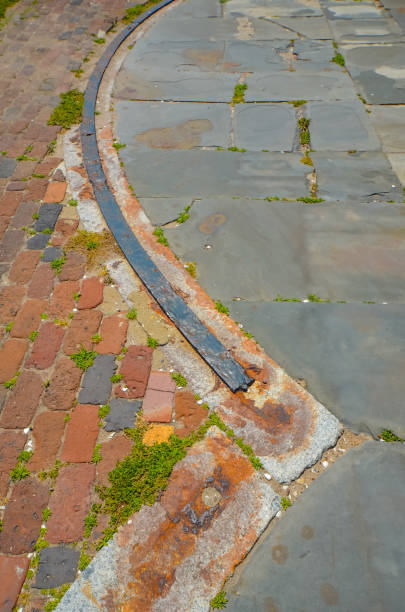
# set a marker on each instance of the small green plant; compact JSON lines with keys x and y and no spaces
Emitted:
{"x":219,"y":601}
{"x":115,"y":378}
{"x":46,"y":513}
{"x":191,"y":267}
{"x":152,"y":342}
{"x":388,"y":436}
{"x":312,"y":297}
{"x":4,"y":152}
{"x":84,"y":558}
{"x":179,"y":379}
{"x":57,"y":264}
{"x":9,"y":326}
{"x":360,"y":97}
{"x":279,"y":298}
{"x":57,"y":594}
{"x":96,"y":454}
{"x":306,"y":159}
{"x":25,"y":456}
{"x":338,"y":59}
{"x":51,"y":147}
{"x":310,"y":200}
{"x":69,"y":110}
{"x":131,"y":314}
{"x":78,"y":73}
{"x":103,"y":411}
{"x":297,"y":103}
{"x":67,"y":418}
{"x":235,"y":149}
{"x":239,"y":93}
{"x":47,"y":382}
{"x":72,"y":202}
{"x":221,"y":307}
{"x":99,"y":41}
{"x":33,"y":335}
{"x":35,"y":216}
{"x":25,"y":158}
{"x":184,"y":215}
{"x":248,"y":335}
{"x":92,"y":244}
{"x":83,"y":359}
{"x":118,"y":145}
{"x":43,"y":316}
{"x":272,"y":198}
{"x":20,"y":471}
{"x":47,"y":230}
{"x":160,"y":235}
{"x":285,"y":503}
{"x":96,"y":338}
{"x":9,"y":384}
{"x":40,"y":176}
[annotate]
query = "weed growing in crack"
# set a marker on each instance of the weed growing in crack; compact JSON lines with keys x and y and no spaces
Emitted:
{"x":220,"y":600}
{"x":388,"y":436}
{"x":160,"y":236}
{"x":235,"y":149}
{"x":184,"y":215}
{"x":9,"y":384}
{"x":152,"y":342}
{"x":308,"y":200}
{"x":285,"y":503}
{"x":239,"y":93}
{"x":83,"y":359}
{"x":69,"y":110}
{"x":132,"y":314}
{"x":57,"y":264}
{"x":297,"y":103}
{"x":338,"y":59}
{"x":118,"y":145}
{"x":179,"y":379}
{"x":191,"y":267}
{"x":221,"y":307}
{"x":279,"y":298}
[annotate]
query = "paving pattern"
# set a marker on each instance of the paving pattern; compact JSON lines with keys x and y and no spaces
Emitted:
{"x":240,"y":168}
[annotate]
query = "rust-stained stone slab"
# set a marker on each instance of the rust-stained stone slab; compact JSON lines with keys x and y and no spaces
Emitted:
{"x":176,"y":554}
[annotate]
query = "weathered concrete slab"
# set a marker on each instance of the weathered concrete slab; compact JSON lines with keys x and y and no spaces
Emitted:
{"x":248,"y":56}
{"x":344,"y":537}
{"x":156,"y":125}
{"x":337,"y":251}
{"x":352,"y":11}
{"x":314,"y":56}
{"x":276,"y":87}
{"x":378,"y":71}
{"x":351,"y":355}
{"x":367,"y":175}
{"x":388,"y":122}
{"x":195,"y":9}
{"x":265,"y":126}
{"x":176,"y":554}
{"x":341,"y":126}
{"x":252,"y":174}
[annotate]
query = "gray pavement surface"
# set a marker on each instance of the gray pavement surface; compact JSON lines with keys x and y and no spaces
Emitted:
{"x":340,"y":546}
{"x":174,"y":114}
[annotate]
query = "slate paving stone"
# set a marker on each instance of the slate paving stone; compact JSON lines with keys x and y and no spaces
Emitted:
{"x":313,"y":56}
{"x":388,"y":122}
{"x":7,"y":166}
{"x":366,"y":175}
{"x":180,"y":86}
{"x":351,"y":355}
{"x":57,"y":566}
{"x":153,"y":125}
{"x":276,"y":87}
{"x":338,"y":251}
{"x":378,"y":71}
{"x":352,"y":11}
{"x":341,"y":127}
{"x":252,"y":174}
{"x":275,"y":8}
{"x":261,"y":55}
{"x":344,"y":537}
{"x":96,"y":384}
{"x":265,"y":126}
{"x":316,"y":28}
{"x":122,"y":414}
{"x":38,"y":242}
{"x":366,"y":31}
{"x":52,"y":253}
{"x":48,"y":215}
{"x":195,"y":9}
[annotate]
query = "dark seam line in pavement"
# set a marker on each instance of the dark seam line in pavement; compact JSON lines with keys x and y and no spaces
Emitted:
{"x":205,"y":343}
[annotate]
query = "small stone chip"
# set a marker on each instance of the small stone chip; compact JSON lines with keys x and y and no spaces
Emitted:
{"x":211,"y":497}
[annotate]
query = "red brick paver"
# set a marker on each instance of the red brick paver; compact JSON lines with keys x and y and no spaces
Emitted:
{"x":91,"y":293}
{"x":113,"y":332}
{"x":46,"y":346}
{"x":12,"y":571}
{"x":81,"y":434}
{"x":23,"y":400}
{"x":135,"y":368}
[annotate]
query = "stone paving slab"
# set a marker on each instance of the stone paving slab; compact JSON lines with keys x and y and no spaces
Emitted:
{"x":378,"y":71}
{"x":252,"y":174}
{"x":335,"y":538}
{"x":367,"y":31}
{"x":338,"y":251}
{"x":156,"y":125}
{"x":316,"y":28}
{"x":265,"y":126}
{"x":274,"y":87}
{"x":351,"y":355}
{"x":359,"y":176}
{"x":176,"y":540}
{"x":277,"y":8}
{"x":388,"y":122}
{"x":341,"y":127}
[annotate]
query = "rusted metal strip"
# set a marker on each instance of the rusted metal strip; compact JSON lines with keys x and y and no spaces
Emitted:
{"x":204,"y":342}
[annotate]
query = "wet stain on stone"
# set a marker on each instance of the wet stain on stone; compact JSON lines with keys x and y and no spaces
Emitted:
{"x":186,"y":135}
{"x":307,"y":532}
{"x":279,"y":554}
{"x":329,"y":594}
{"x":269,"y":605}
{"x":211,"y":223}
{"x":204,"y":58}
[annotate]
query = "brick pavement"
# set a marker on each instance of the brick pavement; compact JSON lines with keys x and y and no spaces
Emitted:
{"x":48,"y":408}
